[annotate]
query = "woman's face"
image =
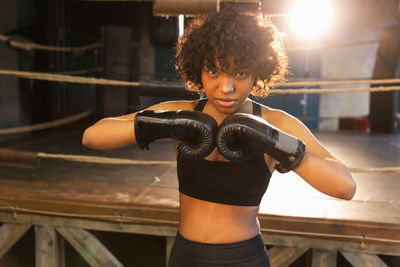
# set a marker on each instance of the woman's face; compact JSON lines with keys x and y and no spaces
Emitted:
{"x":226,"y":91}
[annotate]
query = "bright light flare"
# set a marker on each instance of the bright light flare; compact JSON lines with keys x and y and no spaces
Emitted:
{"x":181,"y":21}
{"x":311,"y":18}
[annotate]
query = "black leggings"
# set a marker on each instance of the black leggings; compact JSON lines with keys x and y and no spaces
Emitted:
{"x":247,"y":253}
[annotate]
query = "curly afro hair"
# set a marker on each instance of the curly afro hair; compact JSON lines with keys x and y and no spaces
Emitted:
{"x":236,"y":40}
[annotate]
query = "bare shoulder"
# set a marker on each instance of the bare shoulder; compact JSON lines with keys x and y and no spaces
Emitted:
{"x":280,"y":119}
{"x":175,"y":105}
{"x":168,"y":105}
{"x":293,"y":126}
{"x":286,"y":122}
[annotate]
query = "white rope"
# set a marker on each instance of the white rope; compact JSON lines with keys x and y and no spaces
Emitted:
{"x":29,"y":46}
{"x":335,"y":90}
{"x":66,"y":78}
{"x":92,"y":80}
{"x":325,"y":118}
{"x":338,"y":82}
{"x":107,"y":160}
{"x":80,"y":72}
{"x":330,"y":46}
{"x":45,"y":125}
{"x":118,"y":161}
{"x":372,"y":169}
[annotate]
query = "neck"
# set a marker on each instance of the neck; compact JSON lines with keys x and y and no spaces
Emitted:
{"x":245,"y":107}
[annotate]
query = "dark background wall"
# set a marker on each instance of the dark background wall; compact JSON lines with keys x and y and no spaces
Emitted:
{"x":150,"y":57}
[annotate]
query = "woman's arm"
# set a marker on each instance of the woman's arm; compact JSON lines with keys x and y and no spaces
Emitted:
{"x":117,"y":132}
{"x":110,"y":133}
{"x":319,"y":168}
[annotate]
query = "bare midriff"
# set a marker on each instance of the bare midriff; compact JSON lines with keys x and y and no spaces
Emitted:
{"x":209,"y":222}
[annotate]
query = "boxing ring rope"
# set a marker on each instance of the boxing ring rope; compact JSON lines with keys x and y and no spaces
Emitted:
{"x":32,"y":160}
{"x":102,"y":81}
{"x":337,"y":82}
{"x":29,"y":46}
{"x":321,"y":118}
{"x":45,"y":125}
{"x":105,"y":160}
{"x":335,"y":90}
{"x":81,"y":72}
{"x":66,"y":78}
{"x":119,"y":217}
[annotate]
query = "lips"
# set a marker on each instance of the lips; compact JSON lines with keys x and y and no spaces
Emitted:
{"x":225,"y":102}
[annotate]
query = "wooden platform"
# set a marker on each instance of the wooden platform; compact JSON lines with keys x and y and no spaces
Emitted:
{"x":69,"y":197}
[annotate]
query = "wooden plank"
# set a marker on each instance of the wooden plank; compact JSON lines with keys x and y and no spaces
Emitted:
{"x":47,"y":252}
{"x":284,"y":256}
{"x":321,"y":243}
{"x":90,"y":248}
{"x":323,"y":258}
{"x":10,"y":233}
{"x":190,"y":8}
{"x":91,"y":195}
{"x":136,"y":228}
{"x":101,"y":201}
{"x":169,"y":242}
{"x":163,"y":230}
{"x":359,"y":221}
{"x":61,"y":251}
{"x":363,"y":259}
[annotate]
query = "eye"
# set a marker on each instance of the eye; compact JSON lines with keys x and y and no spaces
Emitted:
{"x":212,"y":72}
{"x":242,"y":74}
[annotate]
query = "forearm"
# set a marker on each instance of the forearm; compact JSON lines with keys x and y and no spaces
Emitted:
{"x":109,"y":133}
{"x":327,"y":175}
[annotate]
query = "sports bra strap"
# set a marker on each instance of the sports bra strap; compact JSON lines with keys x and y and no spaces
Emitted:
{"x":257,"y":109}
{"x":202,"y":102}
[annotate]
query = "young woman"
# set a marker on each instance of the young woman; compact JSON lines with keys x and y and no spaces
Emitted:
{"x":227,"y":146}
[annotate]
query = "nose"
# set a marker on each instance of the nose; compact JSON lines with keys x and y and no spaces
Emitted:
{"x":227,"y":84}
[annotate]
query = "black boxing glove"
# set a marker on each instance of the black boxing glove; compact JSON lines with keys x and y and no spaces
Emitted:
{"x":194,"y":130}
{"x":241,"y":133}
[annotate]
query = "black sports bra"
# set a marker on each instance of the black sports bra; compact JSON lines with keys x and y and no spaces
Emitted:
{"x":234,"y":183}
